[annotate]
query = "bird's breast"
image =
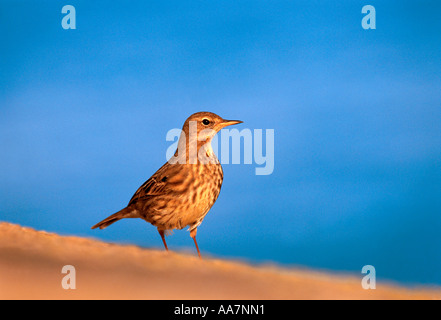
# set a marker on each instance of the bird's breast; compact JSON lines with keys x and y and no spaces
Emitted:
{"x":192,"y":193}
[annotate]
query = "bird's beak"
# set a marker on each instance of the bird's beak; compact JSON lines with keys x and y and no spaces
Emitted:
{"x":227,"y":123}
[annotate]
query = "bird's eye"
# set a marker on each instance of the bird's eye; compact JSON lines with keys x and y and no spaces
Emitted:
{"x":206,"y":122}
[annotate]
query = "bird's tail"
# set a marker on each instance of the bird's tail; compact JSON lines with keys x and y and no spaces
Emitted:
{"x":124,"y":213}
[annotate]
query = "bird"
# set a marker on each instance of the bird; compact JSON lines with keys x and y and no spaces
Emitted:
{"x":184,"y":189}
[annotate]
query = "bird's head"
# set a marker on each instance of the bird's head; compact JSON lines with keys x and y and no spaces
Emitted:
{"x":205,"y":125}
{"x":194,"y":145}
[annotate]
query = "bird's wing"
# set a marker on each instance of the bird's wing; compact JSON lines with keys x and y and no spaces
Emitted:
{"x":155,"y":186}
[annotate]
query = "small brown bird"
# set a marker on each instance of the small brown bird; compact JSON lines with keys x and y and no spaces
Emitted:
{"x":185,"y":188}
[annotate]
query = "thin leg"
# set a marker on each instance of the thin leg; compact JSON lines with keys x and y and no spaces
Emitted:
{"x":193,"y":235}
{"x":161,"y":232}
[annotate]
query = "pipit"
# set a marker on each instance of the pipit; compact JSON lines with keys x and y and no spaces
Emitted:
{"x":185,"y":188}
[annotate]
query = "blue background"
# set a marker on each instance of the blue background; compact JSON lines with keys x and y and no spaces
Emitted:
{"x":356,"y":114}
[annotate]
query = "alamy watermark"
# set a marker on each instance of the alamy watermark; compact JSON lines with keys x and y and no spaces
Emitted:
{"x":369,"y":21}
{"x":69,"y":280}
{"x":369,"y":281}
{"x":200,"y":147}
{"x":69,"y":20}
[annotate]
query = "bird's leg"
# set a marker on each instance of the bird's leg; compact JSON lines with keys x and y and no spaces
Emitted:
{"x":161,"y":232}
{"x":193,"y":235}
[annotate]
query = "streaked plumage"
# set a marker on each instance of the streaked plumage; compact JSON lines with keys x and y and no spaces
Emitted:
{"x":185,"y":188}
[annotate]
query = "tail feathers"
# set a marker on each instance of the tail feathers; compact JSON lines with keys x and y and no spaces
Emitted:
{"x":124,"y":213}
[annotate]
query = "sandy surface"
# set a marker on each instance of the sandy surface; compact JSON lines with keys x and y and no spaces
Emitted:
{"x":31,"y":263}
